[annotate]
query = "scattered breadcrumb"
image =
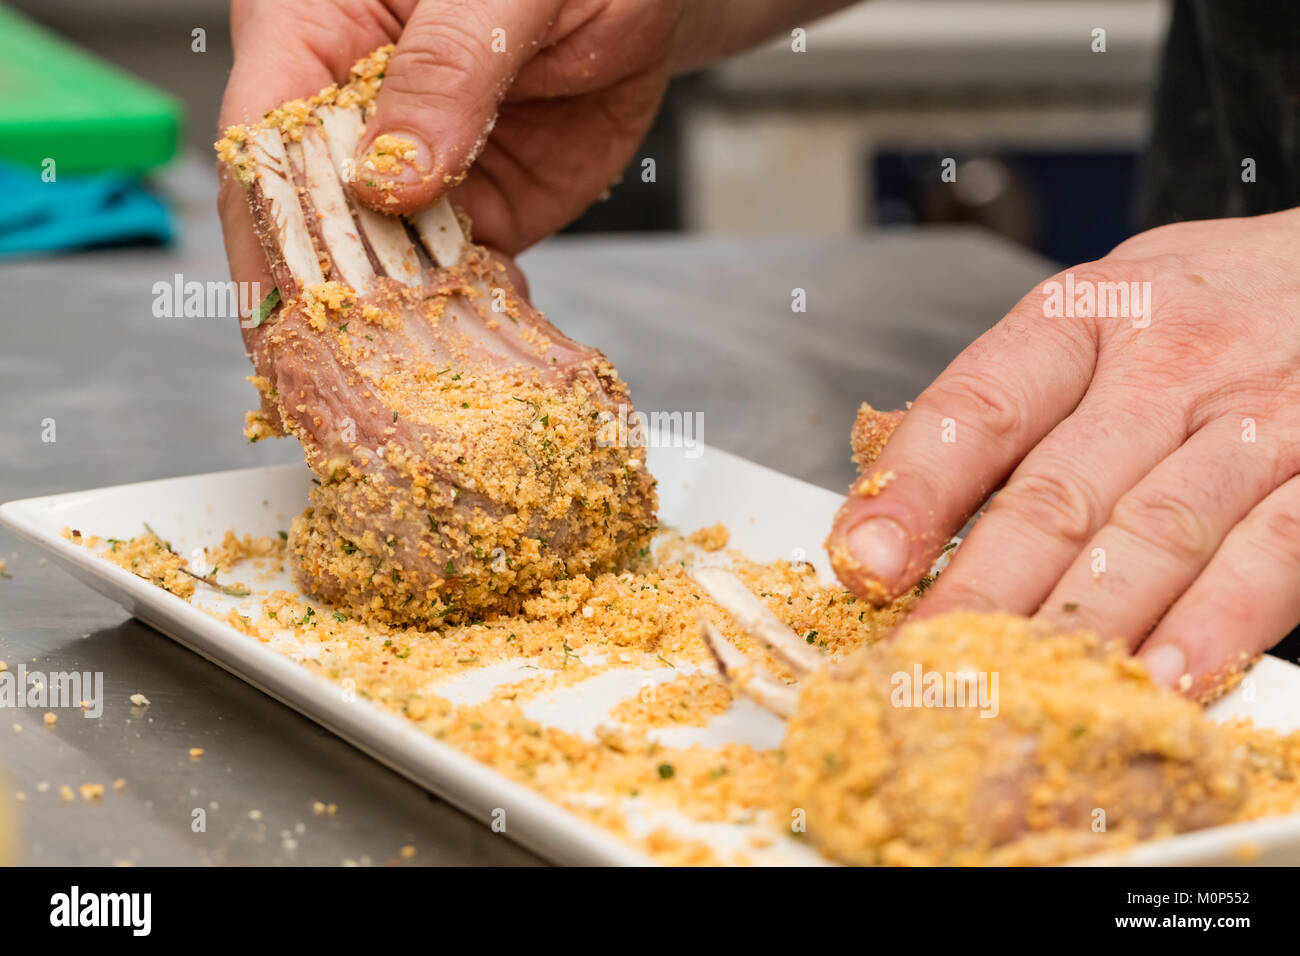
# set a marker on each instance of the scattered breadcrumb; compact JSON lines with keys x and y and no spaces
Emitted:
{"x":870,"y":487}
{"x":50,"y":718}
{"x":691,"y":700}
{"x":148,"y":556}
{"x":712,"y":538}
{"x":646,"y":617}
{"x":139,"y":700}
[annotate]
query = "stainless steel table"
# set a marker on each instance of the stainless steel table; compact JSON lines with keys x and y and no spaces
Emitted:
{"x":694,"y":324}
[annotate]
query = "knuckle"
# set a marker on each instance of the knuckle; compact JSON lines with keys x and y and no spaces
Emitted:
{"x":1234,"y":599}
{"x":981,"y":401}
{"x":960,"y":595}
{"x":912,"y":498}
{"x":1172,"y":524}
{"x":1278,"y":530}
{"x":1055,"y":501}
{"x":1284,"y":455}
{"x":1260,"y":396}
{"x":435,"y":70}
{"x":319,"y":25}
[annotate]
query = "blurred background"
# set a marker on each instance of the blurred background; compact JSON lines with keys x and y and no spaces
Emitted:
{"x":1041,"y":127}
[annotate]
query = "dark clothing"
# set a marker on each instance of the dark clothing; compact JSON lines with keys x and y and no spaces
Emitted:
{"x":1229,"y":91}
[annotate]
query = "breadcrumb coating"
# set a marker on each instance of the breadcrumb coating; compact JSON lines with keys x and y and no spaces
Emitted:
{"x":1080,"y":753}
{"x":872,"y":429}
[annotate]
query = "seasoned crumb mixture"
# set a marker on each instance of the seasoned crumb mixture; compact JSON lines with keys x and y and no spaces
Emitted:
{"x":573,"y":630}
{"x":148,"y":557}
{"x":389,"y":154}
{"x":712,"y":538}
{"x":1074,"y":750}
{"x":692,"y":700}
{"x":506,"y":439}
{"x":872,"y":429}
{"x":1098,"y":705}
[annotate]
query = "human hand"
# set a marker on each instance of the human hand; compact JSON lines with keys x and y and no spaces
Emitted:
{"x":576,"y":84}
{"x":1148,"y":461}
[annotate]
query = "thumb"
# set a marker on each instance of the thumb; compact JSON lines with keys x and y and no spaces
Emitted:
{"x":452,"y":66}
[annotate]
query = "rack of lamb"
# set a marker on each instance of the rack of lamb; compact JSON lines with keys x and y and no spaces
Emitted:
{"x":461,"y":444}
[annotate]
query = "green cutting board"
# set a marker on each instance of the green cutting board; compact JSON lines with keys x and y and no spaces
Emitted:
{"x":61,"y":103}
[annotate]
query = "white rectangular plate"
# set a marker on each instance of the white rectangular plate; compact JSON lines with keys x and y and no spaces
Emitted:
{"x":769,"y":516}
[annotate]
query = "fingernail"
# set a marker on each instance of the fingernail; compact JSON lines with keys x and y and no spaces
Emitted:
{"x":1167,"y":664}
{"x":397,"y":156}
{"x":880,"y":546}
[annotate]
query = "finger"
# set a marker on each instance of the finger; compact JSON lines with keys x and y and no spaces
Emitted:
{"x":958,"y":442}
{"x":1243,"y":603}
{"x":590,"y":53}
{"x":1163,"y":532}
{"x":1052,"y":504}
{"x":546,"y":162}
{"x":452,"y":67}
{"x":281,"y":54}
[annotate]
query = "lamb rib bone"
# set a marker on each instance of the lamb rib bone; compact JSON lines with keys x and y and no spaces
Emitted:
{"x":757,"y":620}
{"x":760,"y":624}
{"x":388,"y":238}
{"x":289,"y":238}
{"x":279,"y":217}
{"x":737,"y":669}
{"x":338,"y":230}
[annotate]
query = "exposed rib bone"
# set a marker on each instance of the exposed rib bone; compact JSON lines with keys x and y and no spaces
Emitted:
{"x":757,"y":620}
{"x":386,"y":235}
{"x":351,"y":263}
{"x":755,"y":683}
{"x":283,"y":229}
{"x":440,"y":230}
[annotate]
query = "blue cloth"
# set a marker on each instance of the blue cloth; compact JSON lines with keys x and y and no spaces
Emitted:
{"x":76,"y":212}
